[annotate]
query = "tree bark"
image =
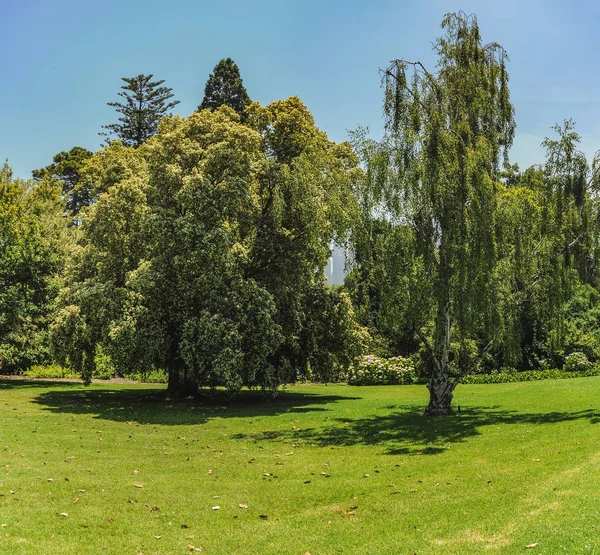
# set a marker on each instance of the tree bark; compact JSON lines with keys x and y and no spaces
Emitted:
{"x":440,"y":387}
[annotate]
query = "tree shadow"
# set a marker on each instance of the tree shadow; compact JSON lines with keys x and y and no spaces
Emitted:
{"x":154,"y":406}
{"x":16,"y":382}
{"x":406,"y":432}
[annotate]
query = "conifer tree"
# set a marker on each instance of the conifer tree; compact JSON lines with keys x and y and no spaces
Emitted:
{"x":225,"y":86}
{"x":146,"y":103}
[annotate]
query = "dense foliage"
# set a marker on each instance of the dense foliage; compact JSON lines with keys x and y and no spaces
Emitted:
{"x":204,"y":255}
{"x":66,"y":168}
{"x":472,"y":267}
{"x":194,"y":248}
{"x":32,"y":235}
{"x":225,"y":87}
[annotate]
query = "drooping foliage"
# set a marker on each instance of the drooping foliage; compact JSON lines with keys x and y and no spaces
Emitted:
{"x":447,"y":134}
{"x":145,"y":103}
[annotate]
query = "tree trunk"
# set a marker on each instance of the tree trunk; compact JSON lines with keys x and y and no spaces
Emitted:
{"x":181,"y":382}
{"x":440,"y":387}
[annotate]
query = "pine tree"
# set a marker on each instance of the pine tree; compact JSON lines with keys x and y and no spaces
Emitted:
{"x":146,"y":103}
{"x":225,"y":86}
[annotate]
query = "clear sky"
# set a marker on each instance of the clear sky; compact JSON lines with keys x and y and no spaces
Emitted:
{"x":62,"y":61}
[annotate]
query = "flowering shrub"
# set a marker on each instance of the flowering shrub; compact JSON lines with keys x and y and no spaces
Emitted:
{"x":372,"y":370}
{"x":576,"y":362}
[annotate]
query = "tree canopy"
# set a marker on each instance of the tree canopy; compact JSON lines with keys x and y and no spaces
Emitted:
{"x":67,"y":168}
{"x":207,"y":260}
{"x":32,"y":251}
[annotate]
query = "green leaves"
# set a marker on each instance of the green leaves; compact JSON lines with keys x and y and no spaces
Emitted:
{"x":204,"y":253}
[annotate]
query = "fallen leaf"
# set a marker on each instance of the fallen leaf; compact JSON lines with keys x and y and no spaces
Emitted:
{"x":189,"y":537}
{"x":531,"y":545}
{"x":210,"y":471}
{"x":366,"y":476}
{"x":154,"y":509}
{"x":243,"y":506}
{"x":158,"y":537}
{"x":50,"y":480}
{"x":264,"y":517}
{"x":76,"y":500}
{"x":138,"y":486}
{"x":63,"y":514}
{"x":216,"y":508}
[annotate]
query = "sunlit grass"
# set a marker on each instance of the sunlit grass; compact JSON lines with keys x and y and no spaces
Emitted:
{"x":324,"y":469}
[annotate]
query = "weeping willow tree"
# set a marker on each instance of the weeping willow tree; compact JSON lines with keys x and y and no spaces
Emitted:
{"x":448,"y":133}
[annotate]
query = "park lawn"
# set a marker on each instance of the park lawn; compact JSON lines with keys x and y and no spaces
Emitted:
{"x":331,"y":469}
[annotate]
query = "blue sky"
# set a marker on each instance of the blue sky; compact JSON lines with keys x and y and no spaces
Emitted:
{"x":62,"y":61}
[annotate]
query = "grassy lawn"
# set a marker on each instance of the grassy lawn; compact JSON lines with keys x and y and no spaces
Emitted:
{"x":322,"y":470}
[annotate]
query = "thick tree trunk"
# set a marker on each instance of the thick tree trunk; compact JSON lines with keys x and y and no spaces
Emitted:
{"x":440,"y":394}
{"x":181,"y":383}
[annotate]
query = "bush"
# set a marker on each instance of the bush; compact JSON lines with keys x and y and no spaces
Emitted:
{"x":49,"y":371}
{"x":576,"y":362}
{"x":154,"y":376}
{"x":104,"y":367}
{"x":372,"y":370}
{"x":512,"y":375}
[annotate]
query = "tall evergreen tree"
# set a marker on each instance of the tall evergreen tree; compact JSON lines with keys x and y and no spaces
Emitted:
{"x":225,"y":86}
{"x":146,"y":103}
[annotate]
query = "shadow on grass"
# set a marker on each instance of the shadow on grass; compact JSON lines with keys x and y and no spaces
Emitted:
{"x":24,"y":383}
{"x":406,"y":431}
{"x":153,"y":406}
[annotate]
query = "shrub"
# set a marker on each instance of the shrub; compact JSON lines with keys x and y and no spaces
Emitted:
{"x":372,"y":370}
{"x":511,"y":375}
{"x":104,"y":367}
{"x":154,"y":376}
{"x":49,"y":371}
{"x":576,"y":362}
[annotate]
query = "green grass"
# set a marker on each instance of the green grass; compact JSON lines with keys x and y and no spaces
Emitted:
{"x":335,"y":469}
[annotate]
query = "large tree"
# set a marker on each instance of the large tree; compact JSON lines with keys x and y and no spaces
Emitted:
{"x":145,"y":104}
{"x":67,"y":168}
{"x":205,"y":254}
{"x":447,"y":133}
{"x":225,"y":86}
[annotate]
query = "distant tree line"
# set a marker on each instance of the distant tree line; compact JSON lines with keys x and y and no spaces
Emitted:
{"x":198,"y":245}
